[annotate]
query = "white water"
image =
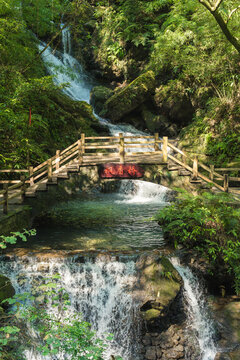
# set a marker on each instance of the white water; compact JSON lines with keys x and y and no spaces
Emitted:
{"x":67,"y":70}
{"x":141,"y":192}
{"x":99,"y":288}
{"x":102,"y":291}
{"x":198,"y":316}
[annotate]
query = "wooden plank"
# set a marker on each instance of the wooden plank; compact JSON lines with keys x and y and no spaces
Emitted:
{"x":40,"y":175}
{"x":87,"y":147}
{"x":9,"y":181}
{"x":164,"y":149}
{"x":232,"y":178}
{"x":144,"y":153}
{"x":70,"y":156}
{"x":139,"y":145}
{"x":101,"y":143}
{"x":13,"y":196}
{"x":68,"y":148}
{"x":14,"y":171}
{"x":139,"y":137}
{"x":101,"y":137}
{"x":13,"y":187}
{"x":227,"y":169}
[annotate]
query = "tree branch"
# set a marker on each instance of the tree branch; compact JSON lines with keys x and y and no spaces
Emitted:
{"x":223,"y":25}
{"x":209,"y":6}
{"x":232,"y":12}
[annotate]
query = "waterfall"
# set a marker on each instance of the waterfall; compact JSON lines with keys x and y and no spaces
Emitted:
{"x":198,"y":316}
{"x":99,"y":288}
{"x":67,"y":70}
{"x":137,"y":192}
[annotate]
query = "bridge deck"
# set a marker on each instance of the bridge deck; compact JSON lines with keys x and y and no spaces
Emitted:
{"x":114,"y":149}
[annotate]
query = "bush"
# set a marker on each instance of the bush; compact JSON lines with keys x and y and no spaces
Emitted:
{"x":209,"y":224}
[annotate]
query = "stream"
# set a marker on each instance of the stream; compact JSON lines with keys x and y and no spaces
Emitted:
{"x":100,"y":286}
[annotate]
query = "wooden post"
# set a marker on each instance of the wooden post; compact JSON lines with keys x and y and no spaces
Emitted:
{"x":225,"y":182}
{"x":195,"y":168}
{"x":31,"y":175}
{"x":5,"y":197}
{"x":23,"y":187}
{"x":83,"y":143}
{"x":212,"y":172}
{"x":121,"y":148}
{"x":57,"y":159}
{"x":49,"y":169}
{"x":164,"y":149}
{"x":80,"y":154}
{"x":156,"y":138}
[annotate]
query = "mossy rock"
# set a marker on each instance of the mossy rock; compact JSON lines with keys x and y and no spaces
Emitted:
{"x":6,"y":288}
{"x":172,"y":101}
{"x":161,"y":283}
{"x":99,"y":95}
{"x":130,"y":97}
{"x":151,"y":314}
{"x":153,"y":122}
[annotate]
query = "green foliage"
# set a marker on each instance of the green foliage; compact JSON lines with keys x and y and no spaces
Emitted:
{"x":59,"y":330}
{"x":209,"y":224}
{"x":14,"y":237}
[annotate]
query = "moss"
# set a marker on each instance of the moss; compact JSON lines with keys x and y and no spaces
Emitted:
{"x":6,"y":288}
{"x":162,"y":280}
{"x":99,"y":95}
{"x":150,"y":314}
{"x":130,"y":97}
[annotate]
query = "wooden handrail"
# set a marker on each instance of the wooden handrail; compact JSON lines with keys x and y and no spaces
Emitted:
{"x":86,"y":149}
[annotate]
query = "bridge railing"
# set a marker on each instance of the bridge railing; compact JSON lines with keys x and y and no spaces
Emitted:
{"x":210,"y":174}
{"x":101,"y":149}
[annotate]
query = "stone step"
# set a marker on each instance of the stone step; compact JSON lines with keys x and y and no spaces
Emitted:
{"x":62,"y":175}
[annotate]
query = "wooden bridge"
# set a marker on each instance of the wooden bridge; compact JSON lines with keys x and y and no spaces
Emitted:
{"x":120,"y":149}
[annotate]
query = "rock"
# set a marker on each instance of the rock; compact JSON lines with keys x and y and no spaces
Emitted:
{"x":220,"y":356}
{"x":173,"y":101}
{"x":155,"y":123}
{"x":151,"y":353}
{"x":99,"y":95}
{"x":173,"y":354}
{"x":6,"y":288}
{"x":130,"y":97}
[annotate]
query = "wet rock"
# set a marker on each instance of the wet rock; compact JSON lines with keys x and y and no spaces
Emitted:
{"x":130,"y":97}
{"x":220,"y":356}
{"x":151,"y":353}
{"x":6,"y":288}
{"x":99,"y":95}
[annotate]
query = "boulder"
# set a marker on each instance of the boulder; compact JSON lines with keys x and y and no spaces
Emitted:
{"x":153,"y":122}
{"x":161,"y":282}
{"x":6,"y":288}
{"x":173,"y":101}
{"x":99,"y":95}
{"x":130,"y":97}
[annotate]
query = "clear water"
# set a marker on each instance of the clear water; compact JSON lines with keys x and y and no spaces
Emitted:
{"x":101,"y":287}
{"x":96,"y":221}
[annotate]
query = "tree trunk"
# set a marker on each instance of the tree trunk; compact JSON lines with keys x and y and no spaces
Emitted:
{"x":226,"y":31}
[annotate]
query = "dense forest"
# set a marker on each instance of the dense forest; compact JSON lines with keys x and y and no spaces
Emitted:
{"x":192,"y":51}
{"x":164,"y":66}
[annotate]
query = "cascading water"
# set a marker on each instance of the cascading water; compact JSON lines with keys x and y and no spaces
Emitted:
{"x":99,"y":288}
{"x":67,"y":70}
{"x":198,"y":316}
{"x":137,"y":192}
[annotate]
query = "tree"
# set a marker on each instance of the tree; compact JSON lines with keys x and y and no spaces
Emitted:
{"x":213,"y":6}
